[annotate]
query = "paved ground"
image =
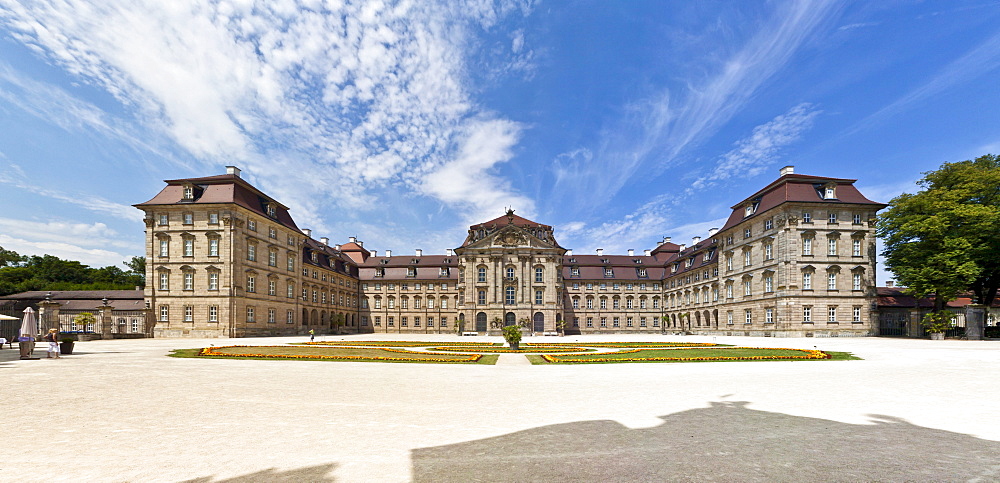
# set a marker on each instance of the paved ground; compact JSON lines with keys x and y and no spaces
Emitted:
{"x":913,"y":410}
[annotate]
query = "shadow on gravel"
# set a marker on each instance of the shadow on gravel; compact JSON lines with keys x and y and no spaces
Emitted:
{"x":319,"y":473}
{"x":725,"y":442}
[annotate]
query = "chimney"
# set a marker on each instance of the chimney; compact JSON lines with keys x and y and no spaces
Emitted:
{"x":695,"y":240}
{"x":352,"y":239}
{"x":450,"y":252}
{"x":712,"y":231}
{"x":388,"y":253}
{"x":666,"y":239}
{"x":374,"y":253}
{"x":233,"y":170}
{"x":631,"y":252}
{"x":569,"y":253}
{"x":336,"y":247}
{"x":360,"y":244}
{"x":648,"y":253}
{"x":889,"y":283}
{"x":682,"y":246}
{"x":600,"y":252}
{"x":308,"y":232}
{"x":420,"y":252}
{"x":787,"y":170}
{"x":324,"y":240}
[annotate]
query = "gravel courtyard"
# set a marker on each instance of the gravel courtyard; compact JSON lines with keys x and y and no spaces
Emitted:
{"x":121,"y":410}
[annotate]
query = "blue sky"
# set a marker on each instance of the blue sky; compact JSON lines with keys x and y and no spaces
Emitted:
{"x":404,"y":122}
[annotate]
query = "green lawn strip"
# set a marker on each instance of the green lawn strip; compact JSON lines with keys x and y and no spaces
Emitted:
{"x":680,"y":353}
{"x":522,"y":350}
{"x":366,"y":354}
{"x":842,"y":356}
{"x":630,"y":345}
{"x":376,"y":343}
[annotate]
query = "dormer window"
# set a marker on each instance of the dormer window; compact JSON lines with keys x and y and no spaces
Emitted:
{"x":609,"y":272}
{"x":829,"y":193}
{"x":689,"y":262}
{"x":188,"y":192}
{"x":272,"y":210}
{"x":748,"y":211}
{"x":411,"y":271}
{"x":315,"y":257}
{"x":414,"y":261}
{"x":379,"y":272}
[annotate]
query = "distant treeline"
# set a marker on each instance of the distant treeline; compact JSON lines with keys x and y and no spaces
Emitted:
{"x":21,"y":273}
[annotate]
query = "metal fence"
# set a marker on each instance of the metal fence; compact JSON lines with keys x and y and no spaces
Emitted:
{"x":123,"y":323}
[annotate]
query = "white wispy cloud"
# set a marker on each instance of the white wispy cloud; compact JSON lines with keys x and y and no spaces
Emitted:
{"x":755,"y":153}
{"x":364,"y":97}
{"x":656,"y":131}
{"x":13,"y":175}
{"x":978,"y":62}
{"x":93,"y":244}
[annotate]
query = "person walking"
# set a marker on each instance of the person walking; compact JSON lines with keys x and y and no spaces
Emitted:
{"x":53,"y":339}
{"x":312,"y":335}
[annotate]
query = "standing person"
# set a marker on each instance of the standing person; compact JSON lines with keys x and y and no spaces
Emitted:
{"x":312,"y":335}
{"x":52,"y":338}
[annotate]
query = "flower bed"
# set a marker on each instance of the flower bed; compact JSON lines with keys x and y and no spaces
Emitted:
{"x":417,"y":356}
{"x":639,"y":345}
{"x":375,"y":343}
{"x":767,"y":355}
{"x":497,"y":349}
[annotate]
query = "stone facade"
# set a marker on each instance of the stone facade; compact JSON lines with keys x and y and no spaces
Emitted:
{"x":796,"y":258}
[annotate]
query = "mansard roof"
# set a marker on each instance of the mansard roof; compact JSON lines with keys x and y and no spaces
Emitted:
{"x":224,"y":188}
{"x":510,"y":219}
{"x":798,"y":188}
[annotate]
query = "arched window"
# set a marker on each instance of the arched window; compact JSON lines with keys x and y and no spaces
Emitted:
{"x":510,"y":272}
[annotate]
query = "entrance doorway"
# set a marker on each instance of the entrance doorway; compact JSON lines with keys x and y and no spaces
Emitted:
{"x":481,"y":322}
{"x":539,"y":322}
{"x":509,"y":319}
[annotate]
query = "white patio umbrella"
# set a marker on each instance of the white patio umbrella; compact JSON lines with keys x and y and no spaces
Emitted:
{"x":7,"y":317}
{"x":29,"y":325}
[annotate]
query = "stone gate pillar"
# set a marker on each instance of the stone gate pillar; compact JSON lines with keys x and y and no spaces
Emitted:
{"x":975,"y":320}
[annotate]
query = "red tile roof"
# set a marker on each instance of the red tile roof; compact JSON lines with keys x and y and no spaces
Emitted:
{"x":510,"y":220}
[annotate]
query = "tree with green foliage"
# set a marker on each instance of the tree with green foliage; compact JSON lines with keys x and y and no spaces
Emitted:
{"x":26,"y":273}
{"x":137,"y":269}
{"x":945,"y":239}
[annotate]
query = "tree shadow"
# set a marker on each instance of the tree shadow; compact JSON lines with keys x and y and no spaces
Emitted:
{"x":318,"y":473}
{"x":725,"y":442}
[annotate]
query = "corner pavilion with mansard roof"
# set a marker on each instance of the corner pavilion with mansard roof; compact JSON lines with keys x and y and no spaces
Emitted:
{"x":796,"y":258}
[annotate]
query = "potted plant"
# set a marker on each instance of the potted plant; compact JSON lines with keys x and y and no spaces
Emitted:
{"x":512,"y":334}
{"x":936,"y":324}
{"x":82,"y":320}
{"x":66,"y":344}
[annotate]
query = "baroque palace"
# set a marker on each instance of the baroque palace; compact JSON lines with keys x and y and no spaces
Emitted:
{"x":795,"y":258}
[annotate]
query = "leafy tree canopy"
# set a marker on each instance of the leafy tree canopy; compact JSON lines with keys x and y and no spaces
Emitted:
{"x":20,"y":273}
{"x":945,"y":239}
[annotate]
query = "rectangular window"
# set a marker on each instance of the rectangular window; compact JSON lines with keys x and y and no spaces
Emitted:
{"x":164,"y":281}
{"x":831,"y":247}
{"x":272,"y":287}
{"x":748,"y":313}
{"x":164,"y":248}
{"x":272,"y":317}
{"x":604,"y":321}
{"x":404,"y":322}
{"x":768,"y":315}
{"x":857,"y":219}
{"x":832,"y":314}
{"x":188,"y":247}
{"x":856,"y":248}
{"x":831,"y":281}
{"x":615,"y":322}
{"x":390,"y":321}
{"x":833,"y":217}
{"x":590,"y":321}
{"x":538,"y":297}
{"x":769,"y":284}
{"x":628,"y":303}
{"x":188,"y":313}
{"x":628,"y":322}
{"x":213,"y":280}
{"x":271,"y":233}
{"x":768,"y":251}
{"x":252,"y":225}
{"x":252,"y":252}
{"x":163,"y":220}
{"x":768,"y":224}
{"x":807,"y":246}
{"x":807,"y":314}
{"x":856,"y":316}
{"x":642,"y":321}
{"x":539,"y":273}
{"x":807,"y":281}
{"x":729,"y":290}
{"x":616,"y":304}
{"x":250,"y":315}
{"x":807,"y":217}
{"x":856,"y":282}
{"x":481,"y":297}
{"x":656,"y":302}
{"x":481,"y":275}
{"x":188,"y":219}
{"x":290,"y":290}
{"x":747,"y":290}
{"x":729,"y":318}
{"x":250,"y":284}
{"x":164,"y":313}
{"x":213,"y":247}
{"x":604,"y":303}
{"x":213,"y":313}
{"x":747,"y":258}
{"x":272,"y":258}
{"x":416,"y":321}
{"x":213,"y":218}
{"x":444,"y":303}
{"x":188,"y":281}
